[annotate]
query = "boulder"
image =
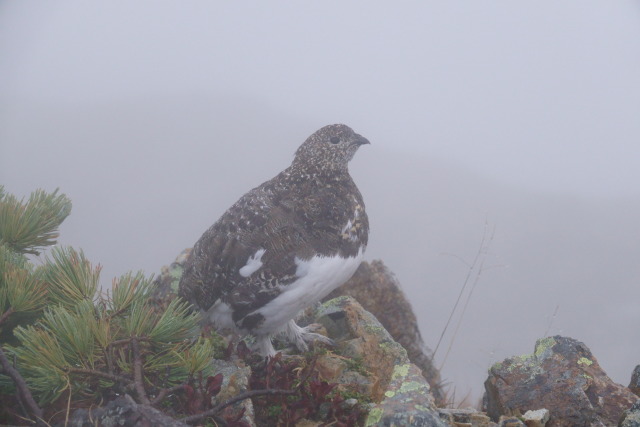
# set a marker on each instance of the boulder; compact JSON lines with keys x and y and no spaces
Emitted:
{"x":123,"y":411}
{"x":165,"y":285}
{"x":631,"y":417}
{"x":375,"y":287}
{"x":400,"y":393}
{"x":634,"y":385}
{"x":467,"y":417}
{"x":561,"y":375}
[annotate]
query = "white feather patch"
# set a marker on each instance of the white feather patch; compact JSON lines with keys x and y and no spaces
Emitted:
{"x":253,"y":263}
{"x":317,"y":277}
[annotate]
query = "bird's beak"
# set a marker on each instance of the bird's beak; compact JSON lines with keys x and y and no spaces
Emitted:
{"x":360,"y":140}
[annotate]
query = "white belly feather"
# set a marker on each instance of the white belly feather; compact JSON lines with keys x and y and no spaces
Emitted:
{"x":317,"y":277}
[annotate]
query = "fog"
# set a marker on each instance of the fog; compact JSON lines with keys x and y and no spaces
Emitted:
{"x":516,"y":121}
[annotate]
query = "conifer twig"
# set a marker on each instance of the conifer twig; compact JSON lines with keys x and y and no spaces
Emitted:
{"x":246,"y":395}
{"x":21,"y":385}
{"x":6,"y":314}
{"x":128,"y":383}
{"x":137,"y":372}
{"x":166,"y":391}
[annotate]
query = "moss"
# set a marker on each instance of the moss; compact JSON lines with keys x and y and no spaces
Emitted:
{"x":356,"y":364}
{"x":274,"y":410}
{"x":375,"y":415}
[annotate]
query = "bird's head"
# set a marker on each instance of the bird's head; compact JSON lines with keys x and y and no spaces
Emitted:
{"x":329,"y":148}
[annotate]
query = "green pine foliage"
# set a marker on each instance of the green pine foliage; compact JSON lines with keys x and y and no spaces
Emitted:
{"x":69,"y":341}
{"x":88,"y":349}
{"x":27,"y":228}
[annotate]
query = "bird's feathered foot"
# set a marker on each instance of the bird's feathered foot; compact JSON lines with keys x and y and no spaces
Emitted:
{"x":300,"y":337}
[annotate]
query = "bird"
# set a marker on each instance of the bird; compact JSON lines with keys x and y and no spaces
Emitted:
{"x":283,"y":246}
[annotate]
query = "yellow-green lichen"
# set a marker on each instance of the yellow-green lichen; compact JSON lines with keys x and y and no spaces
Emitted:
{"x":585,"y":361}
{"x":375,"y":415}
{"x":411,"y":386}
{"x":543,"y":344}
{"x":334,"y":302}
{"x":373,"y":329}
{"x":400,"y":371}
{"x":389,"y":393}
{"x":422,"y":408}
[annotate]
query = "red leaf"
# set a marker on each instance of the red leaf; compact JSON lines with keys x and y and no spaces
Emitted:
{"x":189,"y":391}
{"x":214,"y":384}
{"x":242,"y":350}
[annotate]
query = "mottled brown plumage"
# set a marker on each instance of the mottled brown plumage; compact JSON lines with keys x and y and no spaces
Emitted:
{"x":310,"y":211}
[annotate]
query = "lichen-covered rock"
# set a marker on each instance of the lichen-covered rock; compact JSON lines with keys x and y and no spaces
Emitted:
{"x":631,"y":417}
{"x":123,"y":411}
{"x":166,"y":283}
{"x":400,"y":393}
{"x":467,"y":417}
{"x":359,"y":335}
{"x":634,"y":385}
{"x":407,"y":401}
{"x":561,"y":375}
{"x":376,"y":288}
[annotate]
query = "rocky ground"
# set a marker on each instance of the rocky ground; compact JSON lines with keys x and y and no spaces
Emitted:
{"x":380,"y":374}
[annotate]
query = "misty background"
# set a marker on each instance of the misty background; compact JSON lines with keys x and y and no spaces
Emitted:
{"x":517,"y":120}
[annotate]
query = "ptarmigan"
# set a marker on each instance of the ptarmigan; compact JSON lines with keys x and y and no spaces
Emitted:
{"x":284,"y":245}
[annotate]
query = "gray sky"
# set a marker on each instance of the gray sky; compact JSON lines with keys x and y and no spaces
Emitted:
{"x":155,"y":116}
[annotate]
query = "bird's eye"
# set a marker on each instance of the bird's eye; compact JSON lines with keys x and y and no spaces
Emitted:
{"x":335,"y":139}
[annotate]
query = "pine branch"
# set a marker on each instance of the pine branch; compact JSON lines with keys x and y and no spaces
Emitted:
{"x":246,"y":395}
{"x":28,"y":227}
{"x":137,"y":372}
{"x":126,"y":382}
{"x":21,"y":385}
{"x":165,"y":392}
{"x":6,"y":314}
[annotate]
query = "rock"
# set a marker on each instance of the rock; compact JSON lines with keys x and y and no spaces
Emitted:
{"x":123,"y":411}
{"x":465,"y":417}
{"x":538,"y":418}
{"x":634,"y":385}
{"x":400,"y":393}
{"x":561,"y":375}
{"x":235,"y":381}
{"x":377,"y":289}
{"x":507,"y":421}
{"x":165,"y":285}
{"x":631,"y":417}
